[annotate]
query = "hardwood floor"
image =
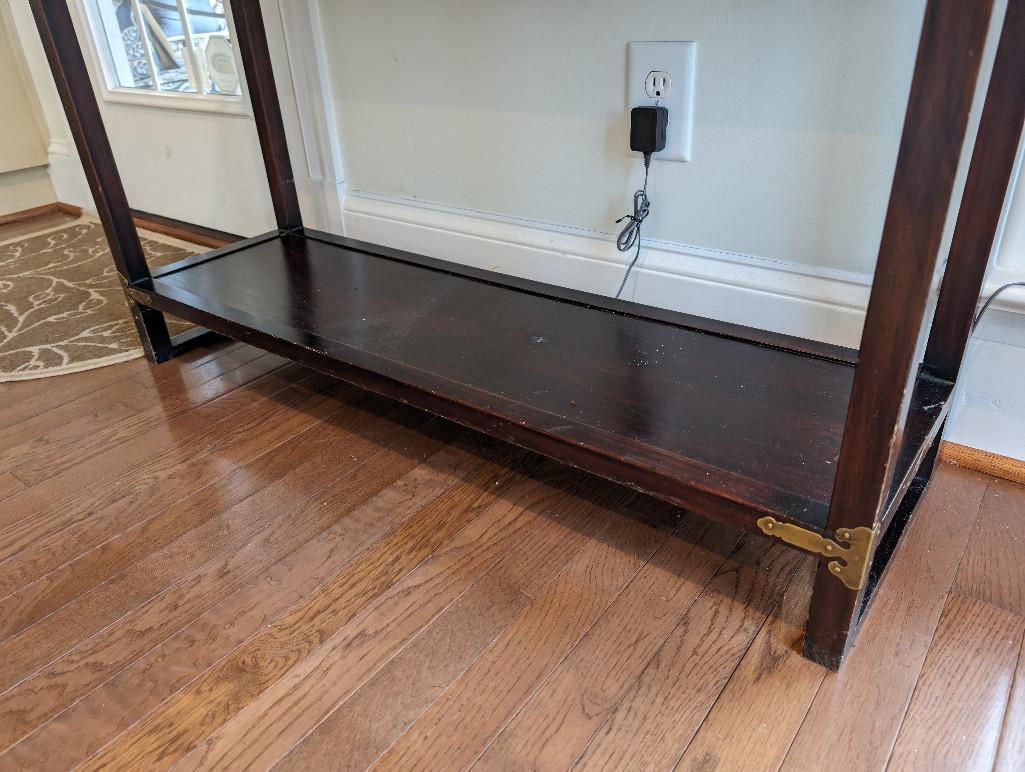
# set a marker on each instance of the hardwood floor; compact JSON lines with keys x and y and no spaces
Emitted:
{"x":231,"y":562}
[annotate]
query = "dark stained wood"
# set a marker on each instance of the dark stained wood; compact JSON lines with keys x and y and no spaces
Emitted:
{"x":774,"y":340}
{"x":727,"y":427}
{"x":732,"y":423}
{"x":982,"y":204}
{"x":993,"y":566}
{"x":71,"y":76}
{"x":251,"y":39}
{"x":185,"y":231}
{"x":962,"y":691}
{"x":949,"y":56}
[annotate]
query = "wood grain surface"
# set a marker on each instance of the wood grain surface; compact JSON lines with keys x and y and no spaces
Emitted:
{"x":329,"y":579}
{"x":249,"y":565}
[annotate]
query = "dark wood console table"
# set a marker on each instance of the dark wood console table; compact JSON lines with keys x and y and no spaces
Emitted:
{"x":825,"y":448}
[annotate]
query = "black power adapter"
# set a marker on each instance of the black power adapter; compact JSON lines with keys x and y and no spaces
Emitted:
{"x":648,"y":129}
{"x":647,"y":135}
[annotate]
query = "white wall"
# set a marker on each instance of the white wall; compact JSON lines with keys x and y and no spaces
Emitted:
{"x":989,"y":407}
{"x":25,"y":189}
{"x":199,"y":167}
{"x":24,"y":182}
{"x":518,"y":109}
{"x":494,"y":137}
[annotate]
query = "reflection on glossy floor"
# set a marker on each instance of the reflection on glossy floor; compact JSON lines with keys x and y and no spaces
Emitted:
{"x":229,"y":561}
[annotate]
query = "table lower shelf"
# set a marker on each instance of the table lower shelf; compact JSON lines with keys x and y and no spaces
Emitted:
{"x":731,"y":422}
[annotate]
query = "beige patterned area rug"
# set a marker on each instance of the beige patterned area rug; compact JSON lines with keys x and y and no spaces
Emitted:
{"x":62,"y":309}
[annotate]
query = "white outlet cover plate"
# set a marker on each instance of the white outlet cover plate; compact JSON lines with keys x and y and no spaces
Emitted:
{"x":679,"y":59}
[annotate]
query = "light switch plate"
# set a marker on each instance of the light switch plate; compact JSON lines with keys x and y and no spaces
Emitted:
{"x":677,"y":60}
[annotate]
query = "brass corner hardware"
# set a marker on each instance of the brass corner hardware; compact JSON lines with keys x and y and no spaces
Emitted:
{"x":134,"y":293}
{"x":851,"y":566}
{"x":138,"y":296}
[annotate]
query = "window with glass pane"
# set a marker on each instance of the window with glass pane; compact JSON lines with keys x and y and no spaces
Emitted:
{"x":168,"y":45}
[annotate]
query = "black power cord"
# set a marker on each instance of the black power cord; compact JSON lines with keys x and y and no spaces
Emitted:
{"x":631,"y":233}
{"x":648,"y":127}
{"x":991,"y":298}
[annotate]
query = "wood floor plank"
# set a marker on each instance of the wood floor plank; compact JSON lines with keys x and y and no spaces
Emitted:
{"x":97,"y":659}
{"x":62,"y":428}
{"x":9,"y":485}
{"x":1011,"y":749}
{"x":993,"y":566}
{"x":171,"y":381}
{"x":540,"y":524}
{"x":554,"y":726}
{"x":122,"y":397}
{"x":228,"y":531}
{"x":957,"y":710}
{"x":368,"y":722}
{"x":54,"y":452}
{"x":55,"y":537}
{"x":192,"y":714}
{"x":117,"y":460}
{"x":192,"y":527}
{"x":753,"y":722}
{"x":34,"y":224}
{"x":509,"y":671}
{"x":140,"y":474}
{"x":84,"y":727}
{"x":663,"y":709}
{"x":861,"y":708}
{"x":23,"y":400}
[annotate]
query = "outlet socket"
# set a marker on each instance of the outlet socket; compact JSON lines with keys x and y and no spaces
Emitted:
{"x":664,"y":73}
{"x":658,"y":84}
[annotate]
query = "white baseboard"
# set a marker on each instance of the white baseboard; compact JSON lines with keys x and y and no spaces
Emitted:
{"x":784,"y":297}
{"x":67,"y":176}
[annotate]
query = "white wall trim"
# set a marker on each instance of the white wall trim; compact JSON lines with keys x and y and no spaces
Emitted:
{"x":809,"y":301}
{"x":761,"y":292}
{"x":321,"y":148}
{"x":748,"y":289}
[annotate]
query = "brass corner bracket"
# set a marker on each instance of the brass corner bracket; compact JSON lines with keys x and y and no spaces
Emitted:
{"x":135,"y":294}
{"x":851,"y":566}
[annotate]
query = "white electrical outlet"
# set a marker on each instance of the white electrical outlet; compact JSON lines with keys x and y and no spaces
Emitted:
{"x":663,"y":73}
{"x":657,"y":84}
